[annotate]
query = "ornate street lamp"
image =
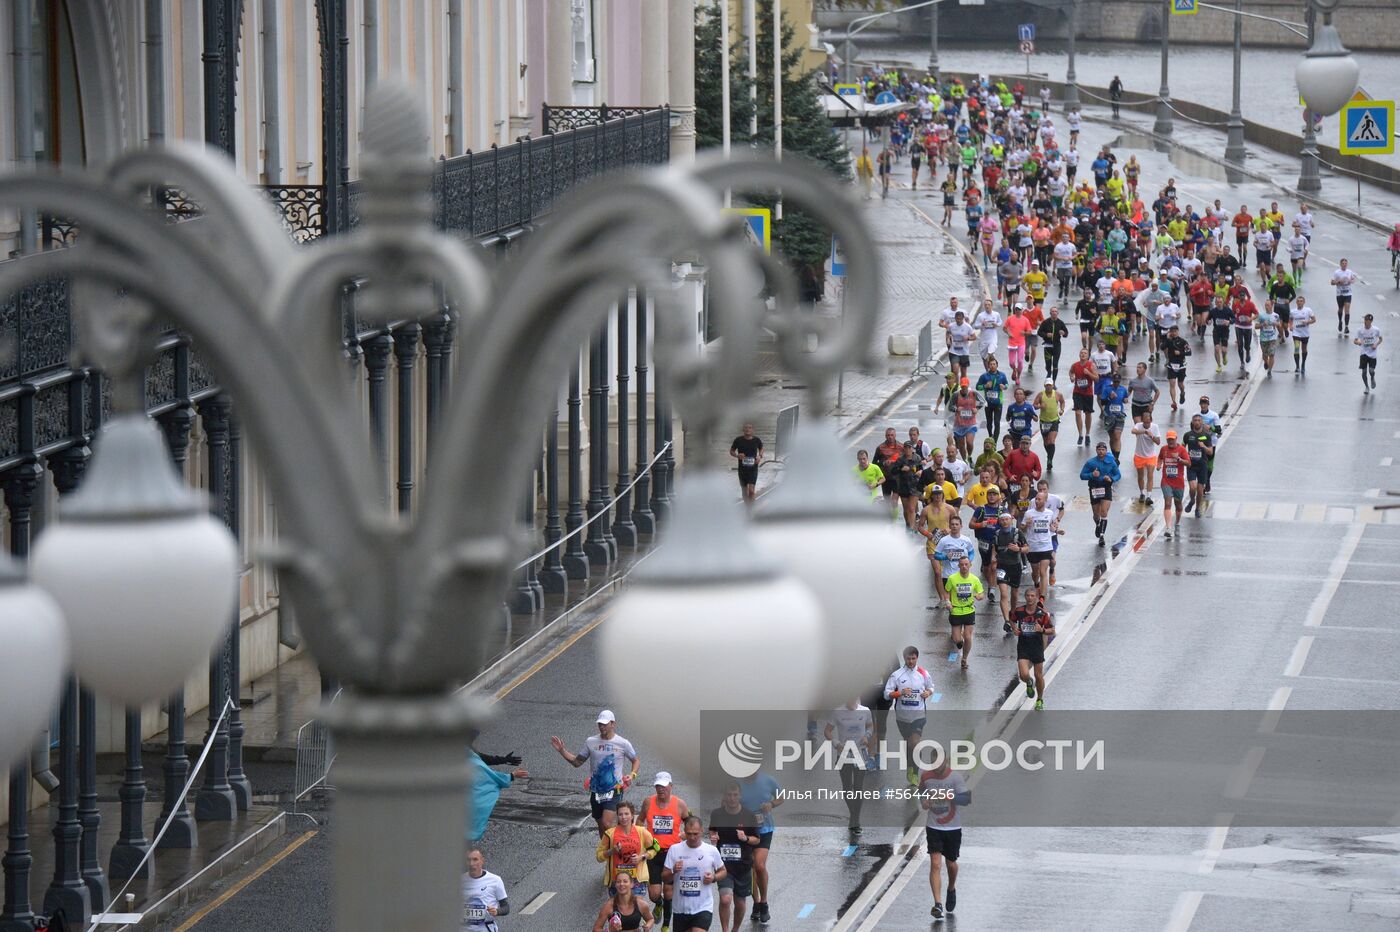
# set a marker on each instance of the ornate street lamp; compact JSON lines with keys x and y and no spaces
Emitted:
{"x":1328,"y":75}
{"x":398,"y":608}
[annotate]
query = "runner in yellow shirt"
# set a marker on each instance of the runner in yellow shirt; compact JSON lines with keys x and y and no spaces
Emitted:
{"x":871,"y":475}
{"x":964,"y":590}
{"x":1037,"y":282}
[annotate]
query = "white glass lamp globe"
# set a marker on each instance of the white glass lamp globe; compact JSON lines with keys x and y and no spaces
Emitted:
{"x":708,"y":625}
{"x":1328,"y":75}
{"x":33,"y":660}
{"x":867,"y":577}
{"x":145,"y":578}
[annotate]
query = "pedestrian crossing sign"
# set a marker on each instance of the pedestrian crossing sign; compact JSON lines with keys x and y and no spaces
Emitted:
{"x":1368,"y":127}
{"x":1184,"y":7}
{"x":759,"y":221}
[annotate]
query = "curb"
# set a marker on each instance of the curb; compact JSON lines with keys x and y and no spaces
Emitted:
{"x":1347,"y":212}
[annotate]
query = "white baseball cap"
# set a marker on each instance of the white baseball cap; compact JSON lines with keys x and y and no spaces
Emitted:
{"x":663,"y":778}
{"x":606,"y":717}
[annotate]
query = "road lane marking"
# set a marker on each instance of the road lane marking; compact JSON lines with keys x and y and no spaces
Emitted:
{"x":534,"y":905}
{"x":850,"y":850}
{"x":237,"y":888}
{"x":1335,"y":572}
{"x":1387,"y":460}
{"x":1184,"y":911}
{"x":552,"y":655}
{"x":1243,"y":776}
{"x":806,"y":911}
{"x":1300,"y":655}
{"x":1214,"y":845}
{"x":1276,"y":704}
{"x":911,"y":868}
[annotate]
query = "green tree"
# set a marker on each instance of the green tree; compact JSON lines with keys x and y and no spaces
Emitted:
{"x":807,"y":132}
{"x":708,"y":93}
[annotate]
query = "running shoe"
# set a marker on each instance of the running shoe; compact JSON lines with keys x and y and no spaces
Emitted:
{"x":952,"y":899}
{"x":1167,"y":534}
{"x":1030,"y":690}
{"x":1040,"y":705}
{"x":1006,"y":627}
{"x":1189,"y":505}
{"x":937,"y":912}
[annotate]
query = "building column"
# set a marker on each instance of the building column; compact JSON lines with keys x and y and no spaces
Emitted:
{"x":237,"y":780}
{"x":624,"y":531}
{"x":18,"y":912}
{"x":552,"y":576}
{"x":559,"y":46}
{"x":182,"y":832}
{"x":215,"y":801}
{"x":642,"y":517}
{"x":575,"y":559}
{"x":600,"y":546}
{"x":681,"y":61}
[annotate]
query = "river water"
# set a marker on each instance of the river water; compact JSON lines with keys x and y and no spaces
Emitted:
{"x":1202,"y":74}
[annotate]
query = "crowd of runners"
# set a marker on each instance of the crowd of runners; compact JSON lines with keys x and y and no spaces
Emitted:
{"x":1147,"y":280}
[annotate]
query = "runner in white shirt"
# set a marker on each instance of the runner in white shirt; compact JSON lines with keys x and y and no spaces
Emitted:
{"x":942,"y":793}
{"x":483,"y":895}
{"x":1149,"y":438}
{"x":1040,"y":523}
{"x":852,"y":729}
{"x":987,"y":323}
{"x":1343,"y":278}
{"x":1300,"y":328}
{"x":948,"y":315}
{"x":1305,"y":221}
{"x":1298,"y":253}
{"x":960,"y":337}
{"x":1369,"y":339}
{"x":909,"y":689}
{"x":693,"y":868}
{"x":1104,"y":360}
{"x":1263,"y":254}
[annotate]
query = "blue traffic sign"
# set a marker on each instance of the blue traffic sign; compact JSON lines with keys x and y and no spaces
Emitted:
{"x":1368,"y":127}
{"x":885,"y":97}
{"x":1185,"y":7}
{"x":1026,"y":32}
{"x":838,"y":258}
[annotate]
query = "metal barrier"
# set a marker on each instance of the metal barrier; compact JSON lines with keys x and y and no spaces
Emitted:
{"x":924,"y":365}
{"x":787,"y":426}
{"x":314,"y":756}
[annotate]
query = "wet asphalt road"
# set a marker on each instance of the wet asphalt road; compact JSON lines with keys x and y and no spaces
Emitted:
{"x":1280,"y":596}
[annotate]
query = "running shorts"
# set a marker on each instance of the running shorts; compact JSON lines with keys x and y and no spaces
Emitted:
{"x":1031,"y":648}
{"x":1267,"y":347}
{"x":965,"y":431}
{"x":1100,"y":493}
{"x":1047,"y":427}
{"x":1145,"y":462}
{"x":1084,"y":403}
{"x":1263,"y":257}
{"x":962,"y":359}
{"x":1220,"y":336}
{"x":1140,"y":410}
{"x":1198,"y":472}
{"x":1170,"y":492}
{"x":607,"y":805}
{"x":748,"y":475}
{"x":683,"y":922}
{"x":907,"y":729}
{"x":968,"y":619}
{"x":1010,"y":573}
{"x":738,"y":879}
{"x":1040,"y":556}
{"x":1113,"y":422}
{"x":1367,"y":364}
{"x":944,"y":842}
{"x":1343,"y":300}
{"x":1176,"y":373}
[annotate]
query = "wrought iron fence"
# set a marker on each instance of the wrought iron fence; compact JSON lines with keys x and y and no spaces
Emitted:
{"x":562,"y":119}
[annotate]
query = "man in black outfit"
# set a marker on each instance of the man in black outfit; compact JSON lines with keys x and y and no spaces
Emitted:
{"x":1115,"y":93}
{"x":748,"y":450}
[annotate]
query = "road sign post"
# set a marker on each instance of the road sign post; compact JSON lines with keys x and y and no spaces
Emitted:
{"x":1026,"y":32}
{"x":1367,"y":127}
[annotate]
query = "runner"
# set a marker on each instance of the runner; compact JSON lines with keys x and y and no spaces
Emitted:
{"x":734,"y":832}
{"x":988,"y":325}
{"x":1369,"y":339}
{"x":626,"y":848}
{"x":985,"y":520}
{"x":960,"y":337}
{"x":1101,"y":472}
{"x":1041,"y":523}
{"x":605,"y":754}
{"x":1083,"y":377}
{"x":964,"y":590}
{"x":887,"y":454}
{"x":850,"y":725}
{"x":1200,"y":445}
{"x":1220,"y":319}
{"x":950,"y":548}
{"x":1115,"y":412}
{"x":694,"y":868}
{"x":1149,"y":438}
{"x":1216,"y":427}
{"x":1300,"y":328}
{"x":992,"y":385}
{"x":748,"y":450}
{"x":1343,"y":278}
{"x":909,"y":688}
{"x":1143,"y":393}
{"x":1270,"y":328}
{"x":966,"y":404}
{"x":1086,"y":311}
{"x":624,"y":909}
{"x":1175,"y":350}
{"x":1244,"y":313}
{"x":1052,"y":332}
{"x":932,"y":524}
{"x":942,"y":792}
{"x":483,"y":895}
{"x":1020,"y":417}
{"x":1173,"y":460}
{"x":760,"y":794}
{"x":1016,"y":327}
{"x":1048,"y":405}
{"x":1033,"y":626}
{"x":870,"y":475}
{"x":1010,"y":549}
{"x":664,"y":815}
{"x":1022,"y":462}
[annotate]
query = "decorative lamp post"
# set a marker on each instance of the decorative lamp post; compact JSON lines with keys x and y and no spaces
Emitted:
{"x":1163,"y":124}
{"x":1328,"y":75}
{"x":399,"y":608}
{"x":1234,"y":132}
{"x":1071,"y":79}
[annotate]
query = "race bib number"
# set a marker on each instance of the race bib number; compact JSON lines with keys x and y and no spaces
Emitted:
{"x":1195,"y":454}
{"x":662,"y":824}
{"x":1171,"y":470}
{"x":1041,"y":525}
{"x":747,"y":461}
{"x":731,"y":852}
{"x":1115,"y":408}
{"x":690,"y":886}
{"x":914,"y":702}
{"x":1096,"y":492}
{"x":964,"y":590}
{"x":476,"y":914}
{"x":1027,"y":627}
{"x":1001,"y":574}
{"x":1081,"y":383}
{"x":604,"y":797}
{"x":1268,"y":333}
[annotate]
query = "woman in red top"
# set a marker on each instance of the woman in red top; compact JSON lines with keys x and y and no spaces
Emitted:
{"x":1245,"y":312}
